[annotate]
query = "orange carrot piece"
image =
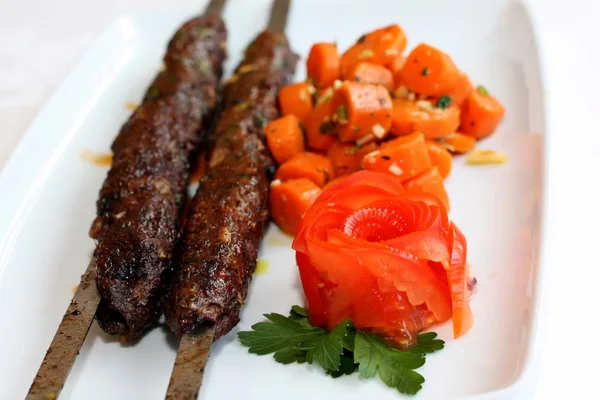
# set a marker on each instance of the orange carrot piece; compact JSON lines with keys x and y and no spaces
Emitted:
{"x":312,"y":166}
{"x":481,"y":114}
{"x":461,"y":90}
{"x":323,"y":64}
{"x":374,"y":74}
{"x":458,"y":143}
{"x":404,"y":157}
{"x":320,"y":130}
{"x":295,"y":99}
{"x":382,"y":47}
{"x":429,"y":71}
{"x":284,"y":138}
{"x":346,"y":158}
{"x":361,"y":109}
{"x":424,"y":116}
{"x":290,"y":200}
{"x":429,"y":182}
{"x":440,"y":158}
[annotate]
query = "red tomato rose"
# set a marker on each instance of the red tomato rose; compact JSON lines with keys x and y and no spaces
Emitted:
{"x":392,"y":262}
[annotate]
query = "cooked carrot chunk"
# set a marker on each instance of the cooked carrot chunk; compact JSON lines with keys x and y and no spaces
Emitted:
{"x":346,"y":158}
{"x":382,"y":47}
{"x":320,"y":130}
{"x":457,"y":142}
{"x":312,"y":166}
{"x":290,"y":200}
{"x":424,"y":116}
{"x":284,"y":138}
{"x":323,"y":64}
{"x":404,"y":157}
{"x":361,"y":109}
{"x":481,"y":114}
{"x":461,"y":90}
{"x":440,"y":158}
{"x":295,"y":99}
{"x":372,"y":73}
{"x":429,"y":71}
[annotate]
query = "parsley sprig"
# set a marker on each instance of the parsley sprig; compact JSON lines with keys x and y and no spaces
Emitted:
{"x":342,"y":351}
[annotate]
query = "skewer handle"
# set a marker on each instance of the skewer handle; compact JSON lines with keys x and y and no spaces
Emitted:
{"x":67,"y":341}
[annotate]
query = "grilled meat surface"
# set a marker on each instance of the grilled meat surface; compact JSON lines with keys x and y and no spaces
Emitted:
{"x":137,"y":226}
{"x":217,"y":254}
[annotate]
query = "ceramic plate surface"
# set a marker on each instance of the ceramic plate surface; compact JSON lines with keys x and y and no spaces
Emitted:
{"x":48,"y":194}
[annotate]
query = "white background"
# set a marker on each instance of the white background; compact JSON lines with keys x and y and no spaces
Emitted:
{"x":41,"y":40}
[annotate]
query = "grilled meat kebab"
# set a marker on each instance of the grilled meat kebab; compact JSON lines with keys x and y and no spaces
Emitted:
{"x":137,"y":225}
{"x":216,"y":256}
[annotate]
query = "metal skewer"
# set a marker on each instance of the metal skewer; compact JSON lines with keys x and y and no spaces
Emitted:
{"x":67,"y":341}
{"x":194,"y":348}
{"x":76,"y":322}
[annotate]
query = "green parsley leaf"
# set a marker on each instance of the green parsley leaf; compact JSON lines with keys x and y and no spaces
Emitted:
{"x":347,"y":365}
{"x":300,"y":311}
{"x":444,"y":102}
{"x":425,"y":71}
{"x":482,"y":91}
{"x":427,"y":343}
{"x":394,"y":367}
{"x":342,"y":113}
{"x":327,"y":350}
{"x":279,"y":334}
{"x":300,"y":315}
{"x":290,"y":355}
{"x":342,"y":351}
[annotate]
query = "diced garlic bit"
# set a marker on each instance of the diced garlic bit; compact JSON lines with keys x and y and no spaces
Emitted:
{"x":425,"y":105}
{"x":395,"y":169}
{"x":378,"y":131}
{"x":326,"y":96}
{"x":366,"y":54}
{"x":483,"y":157}
{"x":401,"y":92}
{"x":120,"y":215}
{"x":372,"y":155}
{"x":337,"y":84}
{"x":448,"y":147}
{"x":365,"y":139}
{"x":411,"y":96}
{"x":276,"y":182}
{"x":311,"y":89}
{"x":163,"y":67}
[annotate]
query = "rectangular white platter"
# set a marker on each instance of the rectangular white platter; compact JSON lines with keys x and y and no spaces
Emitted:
{"x":48,"y":194}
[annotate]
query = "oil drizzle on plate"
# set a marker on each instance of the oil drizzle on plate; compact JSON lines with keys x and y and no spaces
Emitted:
{"x":98,"y":159}
{"x":262,"y":266}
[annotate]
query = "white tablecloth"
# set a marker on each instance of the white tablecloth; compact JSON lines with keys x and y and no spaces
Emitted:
{"x":41,"y":40}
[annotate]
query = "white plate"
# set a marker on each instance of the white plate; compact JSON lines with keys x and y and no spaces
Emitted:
{"x":48,"y":202}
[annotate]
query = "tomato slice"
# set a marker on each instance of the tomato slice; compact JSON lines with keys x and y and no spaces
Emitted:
{"x":462,"y":316}
{"x":392,"y":262}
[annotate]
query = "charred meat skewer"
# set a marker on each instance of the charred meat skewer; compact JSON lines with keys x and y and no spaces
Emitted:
{"x":136,"y":227}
